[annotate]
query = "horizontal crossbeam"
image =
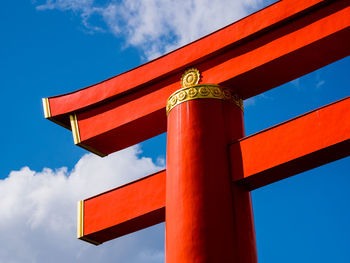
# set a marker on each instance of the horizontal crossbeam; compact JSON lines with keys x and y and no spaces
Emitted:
{"x":310,"y":140}
{"x":123,"y":210}
{"x":277,"y":44}
{"x":300,"y":144}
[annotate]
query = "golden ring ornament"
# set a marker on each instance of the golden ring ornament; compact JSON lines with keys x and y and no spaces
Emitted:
{"x":191,"y":90}
{"x":202,"y":91}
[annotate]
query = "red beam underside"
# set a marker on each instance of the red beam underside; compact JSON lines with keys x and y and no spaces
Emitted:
{"x":293,"y":49}
{"x":125,"y":209}
{"x":297,"y":145}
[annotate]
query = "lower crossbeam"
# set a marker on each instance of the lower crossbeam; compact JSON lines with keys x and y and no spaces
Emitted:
{"x":300,"y":144}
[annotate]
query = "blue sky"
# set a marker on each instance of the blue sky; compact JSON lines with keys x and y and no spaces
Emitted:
{"x":53,"y":47}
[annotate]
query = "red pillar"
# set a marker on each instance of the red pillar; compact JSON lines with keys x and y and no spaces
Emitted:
{"x":205,"y":220}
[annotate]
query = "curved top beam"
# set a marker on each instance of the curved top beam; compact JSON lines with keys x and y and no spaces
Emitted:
{"x":57,"y":108}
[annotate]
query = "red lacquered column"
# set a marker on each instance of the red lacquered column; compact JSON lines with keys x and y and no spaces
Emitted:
{"x":200,"y":210}
{"x":244,"y":232}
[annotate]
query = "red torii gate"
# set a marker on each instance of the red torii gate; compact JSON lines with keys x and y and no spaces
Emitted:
{"x":204,"y":193}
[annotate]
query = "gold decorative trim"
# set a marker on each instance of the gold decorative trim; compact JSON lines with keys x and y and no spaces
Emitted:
{"x":46,"y":106}
{"x":75,"y":128}
{"x":190,"y":78}
{"x":76,"y":136}
{"x":80,"y":225}
{"x":202,"y":91}
{"x":80,"y":218}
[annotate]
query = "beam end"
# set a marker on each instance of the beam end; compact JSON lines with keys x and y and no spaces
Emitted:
{"x":90,"y":241}
{"x":76,"y":136}
{"x":46,"y":106}
{"x":80,"y":219}
{"x":75,"y":128}
{"x":80,"y":225}
{"x":92,"y":150}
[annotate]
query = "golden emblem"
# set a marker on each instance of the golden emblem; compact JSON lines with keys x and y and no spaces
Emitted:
{"x":190,"y":78}
{"x":191,"y":90}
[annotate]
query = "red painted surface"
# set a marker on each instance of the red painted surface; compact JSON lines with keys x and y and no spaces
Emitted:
{"x":206,"y":193}
{"x":177,"y":60}
{"x":125,"y":209}
{"x":307,"y":141}
{"x":295,"y":146}
{"x":244,"y":231}
{"x":278,"y":55}
{"x":203,"y":223}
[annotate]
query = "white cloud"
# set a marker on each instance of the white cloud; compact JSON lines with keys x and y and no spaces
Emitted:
{"x":320,"y":83}
{"x":303,"y":83}
{"x":158,"y":26}
{"x":38,"y":212}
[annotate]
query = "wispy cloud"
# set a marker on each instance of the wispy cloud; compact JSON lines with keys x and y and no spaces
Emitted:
{"x":157,"y":26}
{"x":319,"y":80}
{"x":320,"y":83}
{"x":38,"y":212}
{"x":310,"y":81}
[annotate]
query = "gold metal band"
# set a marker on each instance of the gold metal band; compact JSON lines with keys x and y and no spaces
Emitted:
{"x":202,"y":91}
{"x":80,"y":225}
{"x":80,"y":219}
{"x":46,"y":106}
{"x":76,"y":136}
{"x":75,"y":128}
